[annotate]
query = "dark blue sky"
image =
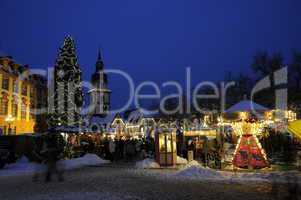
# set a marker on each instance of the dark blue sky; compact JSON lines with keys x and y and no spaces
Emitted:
{"x":151,"y":40}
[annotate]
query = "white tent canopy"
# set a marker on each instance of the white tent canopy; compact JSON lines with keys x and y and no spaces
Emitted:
{"x":246,"y":106}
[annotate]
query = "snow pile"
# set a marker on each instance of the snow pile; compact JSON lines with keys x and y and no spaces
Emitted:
{"x":193,"y":163}
{"x":23,"y":160}
{"x":147,"y":164}
{"x":189,"y":164}
{"x":86,"y":160}
{"x":181,"y":161}
{"x":197,"y":172}
{"x":202,"y":173}
{"x":24,"y":167}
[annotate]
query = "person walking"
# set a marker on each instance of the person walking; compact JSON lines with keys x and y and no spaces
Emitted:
{"x":112,"y":148}
{"x":37,"y":148}
{"x":52,"y":150}
{"x":130,"y":150}
{"x":121,"y":148}
{"x":190,"y":150}
{"x":117,"y":150}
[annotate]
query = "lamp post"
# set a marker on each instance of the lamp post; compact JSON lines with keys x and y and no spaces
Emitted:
{"x":9,"y":119}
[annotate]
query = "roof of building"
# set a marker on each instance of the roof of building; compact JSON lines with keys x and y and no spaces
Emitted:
{"x":246,"y":106}
{"x":108,"y":119}
{"x":4,"y":55}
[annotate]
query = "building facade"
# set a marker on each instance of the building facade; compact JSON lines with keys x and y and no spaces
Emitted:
{"x":17,"y":98}
{"x":40,"y":91}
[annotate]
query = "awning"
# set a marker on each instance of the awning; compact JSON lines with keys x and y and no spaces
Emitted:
{"x":295,"y":128}
{"x":246,"y":106}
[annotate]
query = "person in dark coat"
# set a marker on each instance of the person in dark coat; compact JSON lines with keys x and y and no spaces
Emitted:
{"x":130,"y":149}
{"x":52,"y":150}
{"x":38,"y":157}
{"x":121,"y":148}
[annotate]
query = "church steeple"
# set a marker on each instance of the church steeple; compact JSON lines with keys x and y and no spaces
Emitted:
{"x":99,"y":94}
{"x":99,"y":62}
{"x":99,"y":57}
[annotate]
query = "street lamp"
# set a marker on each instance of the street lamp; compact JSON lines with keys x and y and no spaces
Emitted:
{"x":9,"y":119}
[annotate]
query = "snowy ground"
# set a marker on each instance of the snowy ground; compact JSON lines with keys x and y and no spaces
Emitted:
{"x":193,"y":170}
{"x":201,"y":173}
{"x":183,"y":170}
{"x":119,"y":182}
{"x":83,"y":196}
{"x":24,"y":167}
{"x":129,"y":181}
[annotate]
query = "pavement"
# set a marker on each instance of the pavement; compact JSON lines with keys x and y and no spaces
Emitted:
{"x":115,"y":182}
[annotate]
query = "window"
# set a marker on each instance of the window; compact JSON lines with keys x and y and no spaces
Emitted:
{"x":3,"y":106}
{"x":24,"y":89}
{"x":15,"y":86}
{"x":106,"y":98}
{"x":31,"y":92}
{"x":15,"y":109}
{"x":5,"y":83}
{"x":23,"y":110}
{"x":32,"y":111}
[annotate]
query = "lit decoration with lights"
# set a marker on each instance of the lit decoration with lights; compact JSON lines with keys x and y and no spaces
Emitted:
{"x":243,"y":115}
{"x":206,"y":121}
{"x":9,"y":119}
{"x":249,"y":152}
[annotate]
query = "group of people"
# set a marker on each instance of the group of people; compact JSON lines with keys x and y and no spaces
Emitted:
{"x":50,"y":148}
{"x":114,"y":149}
{"x":128,"y":149}
{"x":206,"y":151}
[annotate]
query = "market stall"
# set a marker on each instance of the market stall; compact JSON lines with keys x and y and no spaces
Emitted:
{"x":166,"y":148}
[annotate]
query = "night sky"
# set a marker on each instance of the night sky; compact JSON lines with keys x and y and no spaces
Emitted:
{"x":151,"y":40}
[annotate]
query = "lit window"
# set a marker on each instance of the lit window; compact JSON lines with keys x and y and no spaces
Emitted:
{"x":24,"y":89}
{"x":5,"y":83}
{"x":15,"y":86}
{"x":31,"y":92}
{"x":23,"y":111}
{"x":15,"y":109}
{"x":32,"y":112}
{"x":4,"y":106}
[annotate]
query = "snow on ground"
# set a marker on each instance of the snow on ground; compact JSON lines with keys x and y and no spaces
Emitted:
{"x":21,"y":167}
{"x":24,"y":167}
{"x":147,"y":164}
{"x":198,"y":172}
{"x":194,"y":170}
{"x":86,"y":160}
{"x":192,"y":163}
{"x":191,"y":170}
{"x":152,"y":164}
{"x":203,"y":173}
{"x":84,"y":196}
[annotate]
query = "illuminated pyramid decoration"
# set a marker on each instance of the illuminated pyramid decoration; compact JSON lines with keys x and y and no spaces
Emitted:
{"x":249,"y":152}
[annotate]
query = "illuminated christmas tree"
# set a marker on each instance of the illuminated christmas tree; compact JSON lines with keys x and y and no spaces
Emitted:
{"x":67,"y":94}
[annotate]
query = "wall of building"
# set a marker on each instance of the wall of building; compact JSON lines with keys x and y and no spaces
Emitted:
{"x":18,"y":124}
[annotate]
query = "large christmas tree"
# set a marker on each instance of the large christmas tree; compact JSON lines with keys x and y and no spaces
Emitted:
{"x":67,"y":87}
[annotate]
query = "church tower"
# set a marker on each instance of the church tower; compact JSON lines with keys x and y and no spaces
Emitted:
{"x":99,"y":94}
